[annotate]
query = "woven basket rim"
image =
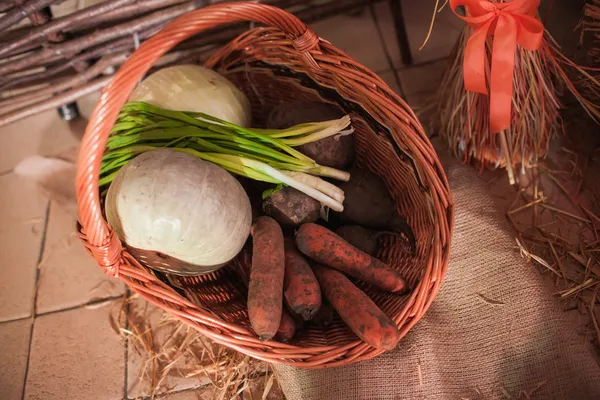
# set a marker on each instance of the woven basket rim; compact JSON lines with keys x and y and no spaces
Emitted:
{"x":102,"y":243}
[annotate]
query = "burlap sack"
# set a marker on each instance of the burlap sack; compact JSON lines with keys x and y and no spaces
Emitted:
{"x":494,"y":332}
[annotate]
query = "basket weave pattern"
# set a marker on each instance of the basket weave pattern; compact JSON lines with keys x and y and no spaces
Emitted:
{"x":281,"y":62}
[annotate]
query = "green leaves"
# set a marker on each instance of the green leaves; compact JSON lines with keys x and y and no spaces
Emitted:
{"x":259,"y":154}
{"x":143,"y":127}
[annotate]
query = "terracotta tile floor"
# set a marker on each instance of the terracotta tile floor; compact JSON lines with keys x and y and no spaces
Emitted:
{"x":55,"y":337}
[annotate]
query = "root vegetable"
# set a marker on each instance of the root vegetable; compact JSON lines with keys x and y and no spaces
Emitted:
{"x":368,"y":203}
{"x":325,"y":247}
{"x":265,"y":289}
{"x":357,"y":310}
{"x":334,"y":151}
{"x":189,"y":211}
{"x":291,"y":208}
{"x":300,"y":288}
{"x":195,"y":88}
{"x":287,"y":327}
{"x":321,"y":185}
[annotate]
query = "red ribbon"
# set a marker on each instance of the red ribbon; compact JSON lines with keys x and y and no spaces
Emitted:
{"x":510,"y":23}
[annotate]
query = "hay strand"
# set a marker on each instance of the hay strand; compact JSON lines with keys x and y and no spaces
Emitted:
{"x":169,"y":351}
{"x":561,"y":234}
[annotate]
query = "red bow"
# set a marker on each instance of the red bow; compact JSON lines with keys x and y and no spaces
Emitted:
{"x":510,"y":23}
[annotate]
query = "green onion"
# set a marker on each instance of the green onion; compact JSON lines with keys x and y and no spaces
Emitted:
{"x":261,"y":154}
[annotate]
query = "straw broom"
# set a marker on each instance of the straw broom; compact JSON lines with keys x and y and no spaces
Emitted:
{"x":463,"y":117}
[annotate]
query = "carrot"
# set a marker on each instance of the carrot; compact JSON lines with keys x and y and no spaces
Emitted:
{"x":357,"y":310}
{"x":287,"y":327}
{"x":325,"y":247}
{"x":265,"y":289}
{"x":300,"y":287}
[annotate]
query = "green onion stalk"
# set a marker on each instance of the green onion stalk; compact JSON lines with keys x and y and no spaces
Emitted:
{"x":266,"y":155}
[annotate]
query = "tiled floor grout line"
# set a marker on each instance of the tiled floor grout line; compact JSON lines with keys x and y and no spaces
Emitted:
{"x":385,"y":50}
{"x":89,"y":303}
{"x":35,"y":293}
{"x":8,"y":321}
{"x":165,"y":395}
{"x":126,"y":368}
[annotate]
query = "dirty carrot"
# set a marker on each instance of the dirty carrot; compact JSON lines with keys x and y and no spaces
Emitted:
{"x":265,"y":289}
{"x":287,"y":327}
{"x":325,"y":247}
{"x":300,"y":287}
{"x":357,"y":310}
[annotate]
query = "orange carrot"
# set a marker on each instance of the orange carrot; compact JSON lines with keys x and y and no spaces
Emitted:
{"x":300,"y":287}
{"x":287,"y":327}
{"x":357,"y":310}
{"x":265,"y":289}
{"x":325,"y":247}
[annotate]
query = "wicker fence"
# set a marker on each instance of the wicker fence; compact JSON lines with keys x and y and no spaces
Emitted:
{"x":48,"y":62}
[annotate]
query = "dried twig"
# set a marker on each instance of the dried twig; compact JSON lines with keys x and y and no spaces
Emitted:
{"x":72,"y":47}
{"x":6,"y":5}
{"x":140,"y":7}
{"x":116,"y":46}
{"x":12,"y":103}
{"x":62,"y":23}
{"x":22,"y":11}
{"x":55,"y":101}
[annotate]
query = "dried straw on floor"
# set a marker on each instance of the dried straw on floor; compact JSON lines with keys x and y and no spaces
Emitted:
{"x":557,"y":222}
{"x":171,"y":350}
{"x":463,"y":117}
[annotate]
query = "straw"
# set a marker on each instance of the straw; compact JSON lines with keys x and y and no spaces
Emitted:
{"x":170,"y":349}
{"x":556,"y":230}
{"x":463,"y":117}
{"x":539,"y":76}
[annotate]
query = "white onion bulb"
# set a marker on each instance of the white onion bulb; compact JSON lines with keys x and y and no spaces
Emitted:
{"x":195,"y":88}
{"x":181,"y":206}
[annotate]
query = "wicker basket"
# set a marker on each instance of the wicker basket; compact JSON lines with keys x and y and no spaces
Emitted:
{"x":281,"y":62}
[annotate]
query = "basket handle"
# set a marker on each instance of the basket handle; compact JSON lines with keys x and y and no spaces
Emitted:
{"x":101,"y":240}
